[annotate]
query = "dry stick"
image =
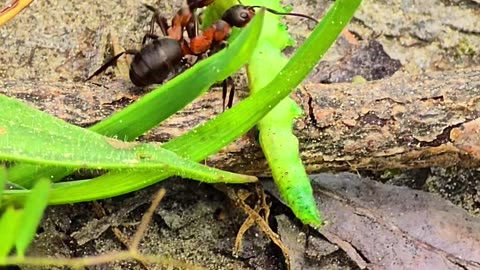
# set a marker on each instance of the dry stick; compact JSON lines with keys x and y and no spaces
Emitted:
{"x":246,"y":225}
{"x":403,"y":122}
{"x":123,"y":66}
{"x":12,"y":9}
{"x":100,"y":213}
{"x":132,"y":253}
{"x":262,"y":224}
{"x":250,"y":221}
{"x":262,"y":202}
{"x":146,"y":219}
{"x":142,"y":227}
{"x":96,"y":260}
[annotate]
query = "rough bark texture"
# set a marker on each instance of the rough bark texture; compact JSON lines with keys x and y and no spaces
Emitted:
{"x":399,"y":228}
{"x":402,"y":122}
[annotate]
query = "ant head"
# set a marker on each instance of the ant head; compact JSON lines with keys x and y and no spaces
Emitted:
{"x":251,"y":8}
{"x":238,"y":15}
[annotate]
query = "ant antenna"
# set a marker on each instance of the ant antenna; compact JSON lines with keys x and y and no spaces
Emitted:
{"x":282,"y":13}
{"x":286,"y":13}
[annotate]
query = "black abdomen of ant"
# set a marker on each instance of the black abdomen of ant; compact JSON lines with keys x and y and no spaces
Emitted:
{"x":155,"y":61}
{"x":161,"y":57}
{"x":152,"y":64}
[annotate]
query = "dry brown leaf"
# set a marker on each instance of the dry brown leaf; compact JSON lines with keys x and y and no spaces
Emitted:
{"x":391,"y":227}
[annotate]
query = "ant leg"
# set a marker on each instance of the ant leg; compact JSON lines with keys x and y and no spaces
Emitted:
{"x":222,"y":44}
{"x":151,"y":31}
{"x":224,"y":92}
{"x":150,"y":36}
{"x":231,"y":95}
{"x":218,"y":47}
{"x":162,"y":22}
{"x":110,"y":62}
{"x":159,"y":19}
{"x":192,"y":27}
{"x":286,"y":13}
{"x":194,"y":4}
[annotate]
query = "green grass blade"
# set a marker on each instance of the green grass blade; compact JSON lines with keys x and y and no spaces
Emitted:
{"x":105,"y":186}
{"x":212,"y":136}
{"x":145,"y":113}
{"x":168,"y":99}
{"x":3,"y":181}
{"x":9,"y":222}
{"x":255,"y":107}
{"x":279,"y":144}
{"x":32,"y":136}
{"x":276,"y":137}
{"x":120,"y":183}
{"x":32,"y":215}
{"x":233,"y":123}
{"x":251,"y":110}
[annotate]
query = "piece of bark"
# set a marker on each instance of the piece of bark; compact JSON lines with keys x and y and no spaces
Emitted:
{"x":382,"y":226}
{"x":312,"y":253}
{"x":293,"y":241}
{"x":402,"y":122}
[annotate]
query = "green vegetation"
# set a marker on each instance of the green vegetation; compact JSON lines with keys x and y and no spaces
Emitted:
{"x":42,"y":147}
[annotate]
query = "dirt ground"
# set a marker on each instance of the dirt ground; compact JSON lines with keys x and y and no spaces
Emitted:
{"x":67,"y":40}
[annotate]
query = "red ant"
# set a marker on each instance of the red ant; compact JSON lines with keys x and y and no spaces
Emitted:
{"x":158,"y":59}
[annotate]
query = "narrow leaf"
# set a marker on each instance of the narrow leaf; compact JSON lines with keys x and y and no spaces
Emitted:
{"x":32,"y":136}
{"x":279,"y":144}
{"x":171,"y":97}
{"x":8,"y":227}
{"x":3,"y":181}
{"x":293,"y":181}
{"x":222,"y":130}
{"x":32,"y":215}
{"x":233,"y":123}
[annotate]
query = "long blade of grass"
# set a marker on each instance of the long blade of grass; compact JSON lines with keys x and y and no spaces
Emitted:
{"x":276,"y":137}
{"x":104,"y":186}
{"x":209,"y":138}
{"x":9,"y":222}
{"x":32,"y":136}
{"x":32,"y":215}
{"x":160,"y":103}
{"x":233,"y":123}
{"x":3,"y":181}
